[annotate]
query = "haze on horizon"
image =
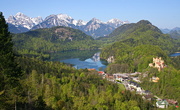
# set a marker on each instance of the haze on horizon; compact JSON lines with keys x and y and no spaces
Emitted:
{"x":161,"y":13}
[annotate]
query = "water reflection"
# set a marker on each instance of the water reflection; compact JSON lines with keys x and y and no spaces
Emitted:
{"x":81,"y":59}
{"x":96,"y":57}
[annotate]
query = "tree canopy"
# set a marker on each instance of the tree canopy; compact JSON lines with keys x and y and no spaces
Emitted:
{"x":9,"y":71}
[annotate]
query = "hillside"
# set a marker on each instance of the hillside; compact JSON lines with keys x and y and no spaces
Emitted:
{"x":137,"y":44}
{"x":175,"y":34}
{"x":16,"y":29}
{"x":53,"y":39}
{"x":142,"y":32}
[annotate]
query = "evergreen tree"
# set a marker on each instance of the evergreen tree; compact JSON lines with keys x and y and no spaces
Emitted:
{"x":9,"y":72}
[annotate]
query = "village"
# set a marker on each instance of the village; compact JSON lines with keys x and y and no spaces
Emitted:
{"x":131,"y":82}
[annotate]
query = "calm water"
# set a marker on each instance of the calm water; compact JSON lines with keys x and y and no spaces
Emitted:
{"x":175,"y":54}
{"x":81,"y":59}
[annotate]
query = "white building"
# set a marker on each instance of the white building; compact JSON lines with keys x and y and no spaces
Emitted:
{"x":162,"y":104}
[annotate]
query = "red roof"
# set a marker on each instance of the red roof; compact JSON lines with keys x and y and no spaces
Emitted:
{"x":91,"y":69}
{"x":101,"y":72}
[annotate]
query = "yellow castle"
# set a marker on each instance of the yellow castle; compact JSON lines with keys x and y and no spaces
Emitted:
{"x":157,"y":63}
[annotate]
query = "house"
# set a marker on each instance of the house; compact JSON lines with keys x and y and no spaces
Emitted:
{"x":109,"y":77}
{"x":155,"y":79}
{"x":119,"y":78}
{"x":148,"y":97}
{"x":125,"y":78}
{"x":101,"y":72}
{"x":133,"y":84}
{"x":146,"y":92}
{"x":171,"y":101}
{"x":136,"y":79}
{"x":139,"y":90}
{"x":91,"y":69}
{"x":162,"y":104}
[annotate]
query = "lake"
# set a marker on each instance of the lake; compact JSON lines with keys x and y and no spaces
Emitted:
{"x":80,"y":59}
{"x":175,"y":54}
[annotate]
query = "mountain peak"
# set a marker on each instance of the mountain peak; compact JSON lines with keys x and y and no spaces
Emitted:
{"x":63,"y":16}
{"x":148,"y":25}
{"x":95,"y":20}
{"x":81,"y":22}
{"x":144,"y":22}
{"x":141,"y":26}
{"x":19,"y":14}
{"x":23,"y":21}
{"x":114,"y":20}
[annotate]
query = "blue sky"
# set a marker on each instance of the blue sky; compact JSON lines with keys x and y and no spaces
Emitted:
{"x":161,"y":13}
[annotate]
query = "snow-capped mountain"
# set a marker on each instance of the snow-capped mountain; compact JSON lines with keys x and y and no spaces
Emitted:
{"x":116,"y":22}
{"x":56,"y":20}
{"x":24,"y":21}
{"x":97,"y":28}
{"x":37,"y":20}
{"x":80,"y":23}
{"x":94,"y":27}
{"x":93,"y":24}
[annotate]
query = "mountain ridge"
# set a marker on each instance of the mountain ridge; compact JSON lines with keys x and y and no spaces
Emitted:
{"x":95,"y":29}
{"x":174,"y":33}
{"x":22,"y":20}
{"x":126,"y":30}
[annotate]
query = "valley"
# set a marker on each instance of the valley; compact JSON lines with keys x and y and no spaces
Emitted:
{"x":34,"y":75}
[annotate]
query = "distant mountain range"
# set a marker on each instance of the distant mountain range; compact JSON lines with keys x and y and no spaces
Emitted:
{"x":96,"y":28}
{"x":174,"y":33}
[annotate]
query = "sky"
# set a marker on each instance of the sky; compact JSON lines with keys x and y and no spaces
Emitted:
{"x":161,"y":13}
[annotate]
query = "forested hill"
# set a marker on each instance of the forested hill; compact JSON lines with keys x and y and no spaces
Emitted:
{"x":130,"y":28}
{"x":136,"y":45}
{"x":53,"y":39}
{"x":142,"y":32}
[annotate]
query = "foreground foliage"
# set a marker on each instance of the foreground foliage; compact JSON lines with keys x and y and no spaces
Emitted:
{"x":168,"y":85}
{"x":53,"y":85}
{"x":9,"y":72}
